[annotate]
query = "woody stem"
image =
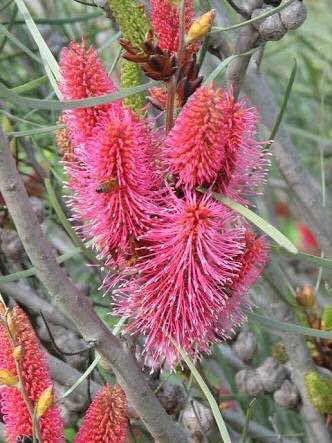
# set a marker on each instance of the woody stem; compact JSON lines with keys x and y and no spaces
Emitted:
{"x":171,"y":90}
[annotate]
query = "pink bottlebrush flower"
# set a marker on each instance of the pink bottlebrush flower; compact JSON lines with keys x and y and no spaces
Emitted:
{"x":178,"y":293}
{"x":252,"y":262}
{"x":165,"y":22}
{"x":106,"y":419}
{"x":36,"y":379}
{"x":114,"y":183}
{"x":212,"y":144}
{"x":83,"y":76}
{"x":195,"y":146}
{"x":244,"y":165}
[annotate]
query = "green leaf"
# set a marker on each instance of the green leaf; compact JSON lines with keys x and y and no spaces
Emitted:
{"x":283,"y":104}
{"x":212,"y":402}
{"x":81,"y":379}
{"x":47,"y":57}
{"x":19,"y":44}
{"x":32,"y":84}
{"x":246,"y":423}
{"x":307,"y":258}
{"x":61,"y":20}
{"x":66,"y":224}
{"x":223,"y":65}
{"x":265,"y":226}
{"x":36,"y":131}
{"x":92,"y":366}
{"x":273,"y":324}
{"x":32,"y":271}
{"x":55,"y":105}
{"x":255,"y":19}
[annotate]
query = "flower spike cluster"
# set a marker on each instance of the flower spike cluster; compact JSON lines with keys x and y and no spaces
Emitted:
{"x":106,"y":419}
{"x":36,"y":379}
{"x":184,"y":262}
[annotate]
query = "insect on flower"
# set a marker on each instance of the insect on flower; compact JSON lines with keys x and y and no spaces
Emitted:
{"x":108,"y":186}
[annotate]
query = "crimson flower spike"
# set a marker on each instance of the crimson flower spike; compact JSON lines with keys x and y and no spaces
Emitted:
{"x":212,"y":144}
{"x":106,"y":419}
{"x":36,"y":380}
{"x":165,"y":22}
{"x":83,"y":76}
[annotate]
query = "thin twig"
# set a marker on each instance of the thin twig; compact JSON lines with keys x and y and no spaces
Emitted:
{"x":238,"y":9}
{"x":55,"y":346}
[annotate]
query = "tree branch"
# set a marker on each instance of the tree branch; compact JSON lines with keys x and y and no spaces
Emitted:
{"x":69,"y":299}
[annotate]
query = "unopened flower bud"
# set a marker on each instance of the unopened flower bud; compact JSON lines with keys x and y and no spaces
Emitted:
{"x":245,"y":345}
{"x":45,"y":401}
{"x":272,"y":374}
{"x":305,"y":297}
{"x":287,"y":395}
{"x":3,"y":307}
{"x":294,"y":15}
{"x":11,"y":323}
{"x":7,"y":378}
{"x":197,"y":418}
{"x":201,"y":26}
{"x":18,"y":352}
{"x":249,"y":383}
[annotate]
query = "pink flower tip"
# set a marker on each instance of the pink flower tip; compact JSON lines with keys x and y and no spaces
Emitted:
{"x":83,"y":76}
{"x":106,"y":419}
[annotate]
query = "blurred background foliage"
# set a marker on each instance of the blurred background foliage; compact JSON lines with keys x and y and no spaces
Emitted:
{"x":308,"y":119}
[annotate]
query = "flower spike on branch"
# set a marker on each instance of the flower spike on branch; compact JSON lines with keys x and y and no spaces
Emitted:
{"x":106,"y":419}
{"x":20,"y":353}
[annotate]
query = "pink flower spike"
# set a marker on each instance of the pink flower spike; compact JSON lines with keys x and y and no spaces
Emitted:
{"x":106,"y":419}
{"x":253,"y":261}
{"x":83,"y":76}
{"x":244,"y":165}
{"x":190,"y":255}
{"x":165,"y":22}
{"x":36,"y":379}
{"x":195,"y":146}
{"x":114,"y":183}
{"x":212,"y":143}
